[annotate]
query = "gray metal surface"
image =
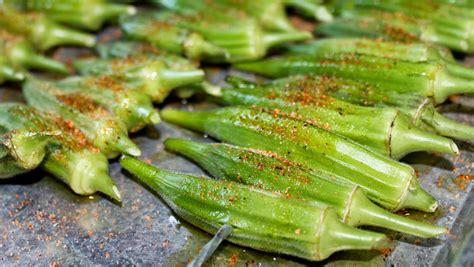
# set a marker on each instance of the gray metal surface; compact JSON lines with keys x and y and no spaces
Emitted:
{"x":43,"y":223}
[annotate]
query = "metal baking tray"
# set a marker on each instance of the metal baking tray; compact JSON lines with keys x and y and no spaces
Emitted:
{"x":42,"y":222}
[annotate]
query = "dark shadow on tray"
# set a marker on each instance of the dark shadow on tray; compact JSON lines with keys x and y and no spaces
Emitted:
{"x":28,"y":178}
{"x":463,"y":108}
{"x":465,"y":146}
{"x":429,"y":159}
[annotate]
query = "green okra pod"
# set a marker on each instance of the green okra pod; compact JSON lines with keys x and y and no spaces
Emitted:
{"x":22,"y":150}
{"x":41,"y":31}
{"x":86,"y":14}
{"x":420,"y":109}
{"x":311,"y":8}
{"x":271,"y":172}
{"x":270,"y":14}
{"x":413,"y":52}
{"x":385,"y":130}
{"x":400,"y":27}
{"x":21,"y":54}
{"x":162,"y":33}
{"x":134,"y":108}
{"x":70,"y":157}
{"x":391,"y":184}
{"x":420,"y":79}
{"x":261,"y":220}
{"x":154,"y":77}
{"x":8,"y":72}
{"x":100,"y":126}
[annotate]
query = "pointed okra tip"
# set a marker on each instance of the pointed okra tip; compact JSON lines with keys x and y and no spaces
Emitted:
{"x":106,"y":186}
{"x":126,"y":146}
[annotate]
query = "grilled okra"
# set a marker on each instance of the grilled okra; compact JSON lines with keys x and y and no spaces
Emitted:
{"x":385,"y":130}
{"x":86,"y":14}
{"x":40,"y":30}
{"x":271,"y":172}
{"x":420,"y":79}
{"x":21,"y":150}
{"x":101,"y":127}
{"x":70,"y":157}
{"x":132,"y":107}
{"x":391,"y":184}
{"x":261,"y":220}
{"x":21,"y":54}
{"x":153,"y":76}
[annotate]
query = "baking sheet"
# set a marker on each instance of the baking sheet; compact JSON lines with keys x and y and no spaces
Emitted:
{"x":43,"y":223}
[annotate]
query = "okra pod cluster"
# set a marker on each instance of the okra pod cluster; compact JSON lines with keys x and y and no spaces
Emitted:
{"x":385,"y":130}
{"x":261,"y":220}
{"x":271,"y":172}
{"x":40,"y":30}
{"x":227,"y":40}
{"x":69,"y":155}
{"x":99,"y":125}
{"x":153,"y":76}
{"x":391,"y":184}
{"x":86,"y":14}
{"x":419,"y":79}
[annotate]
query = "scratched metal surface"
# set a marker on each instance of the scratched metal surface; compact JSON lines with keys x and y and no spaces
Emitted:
{"x":43,"y":223}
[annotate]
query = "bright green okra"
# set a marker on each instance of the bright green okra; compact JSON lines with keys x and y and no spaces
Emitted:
{"x":163,"y":34}
{"x":86,"y":14}
{"x":241,"y":40}
{"x":154,"y":77}
{"x":21,"y":54}
{"x":132,"y":107}
{"x":420,"y":109}
{"x":311,"y":8}
{"x":8,"y":72}
{"x":391,"y":184}
{"x":261,"y":220}
{"x":101,"y":127}
{"x":41,"y":31}
{"x":70,"y":157}
{"x":419,"y":79}
{"x":453,"y":32}
{"x":22,"y":150}
{"x":413,"y":52}
{"x":271,"y":172}
{"x":270,"y":14}
{"x":385,"y":130}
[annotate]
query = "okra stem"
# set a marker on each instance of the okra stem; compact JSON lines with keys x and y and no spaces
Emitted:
{"x":406,"y":138}
{"x":274,"y":39}
{"x":444,"y":125}
{"x":260,"y":219}
{"x":273,"y":173}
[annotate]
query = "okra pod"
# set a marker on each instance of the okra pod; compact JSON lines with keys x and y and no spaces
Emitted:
{"x":423,"y":79}
{"x":102,"y":128}
{"x":154,"y":77}
{"x":391,"y":184}
{"x":160,"y":32}
{"x":70,"y":157}
{"x":86,"y":14}
{"x":272,"y":172}
{"x":399,"y":27}
{"x":132,"y":107}
{"x":311,"y":8}
{"x":22,"y":150}
{"x":261,"y":220}
{"x":270,"y":14}
{"x":384,"y":130}
{"x":413,"y":52}
{"x":420,"y":109}
{"x":40,"y":30}
{"x":21,"y":54}
{"x":9,"y":73}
